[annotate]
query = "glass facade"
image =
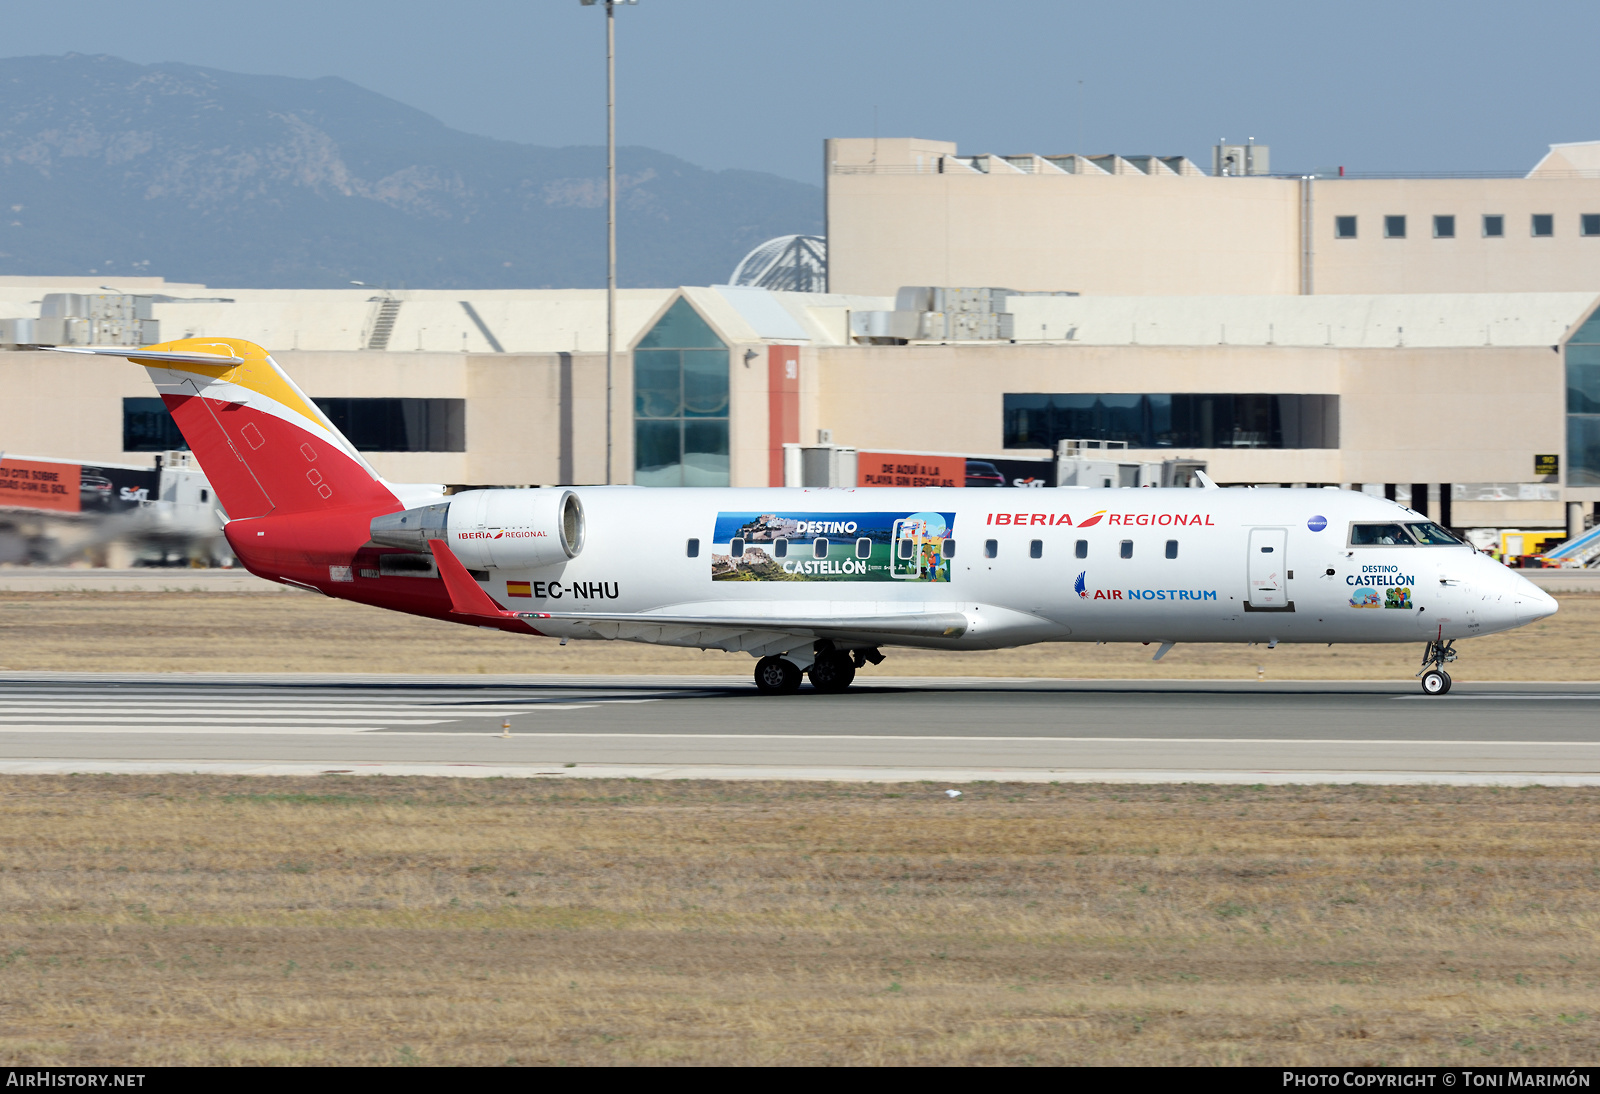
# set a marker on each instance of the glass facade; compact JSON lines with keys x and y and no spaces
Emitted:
{"x":147,"y":427}
{"x":400,"y":425}
{"x":1583,"y":405}
{"x":1174,"y":421}
{"x":680,"y":403}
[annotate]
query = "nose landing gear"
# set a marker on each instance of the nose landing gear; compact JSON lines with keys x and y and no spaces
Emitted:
{"x":1436,"y":681}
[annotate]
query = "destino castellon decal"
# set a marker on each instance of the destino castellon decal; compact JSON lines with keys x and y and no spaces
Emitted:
{"x":832,"y":546}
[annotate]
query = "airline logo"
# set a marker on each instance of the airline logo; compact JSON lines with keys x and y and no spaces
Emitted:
{"x":519,"y":588}
{"x":1080,"y":586}
{"x":1126,"y":520}
{"x":504,"y":533}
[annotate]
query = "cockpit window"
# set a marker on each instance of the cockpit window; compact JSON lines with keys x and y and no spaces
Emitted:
{"x":1379,"y":535}
{"x":1430,"y":534}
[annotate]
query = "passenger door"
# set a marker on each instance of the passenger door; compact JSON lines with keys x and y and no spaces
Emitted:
{"x":1268,"y":568}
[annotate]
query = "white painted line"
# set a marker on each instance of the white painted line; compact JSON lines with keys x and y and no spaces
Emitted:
{"x":772,"y":737}
{"x":82,"y":710}
{"x":1505,"y":697}
{"x":211,"y":728}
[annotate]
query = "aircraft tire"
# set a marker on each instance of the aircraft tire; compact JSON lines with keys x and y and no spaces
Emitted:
{"x":833,"y":673}
{"x":1435,"y":682}
{"x":777,"y":676}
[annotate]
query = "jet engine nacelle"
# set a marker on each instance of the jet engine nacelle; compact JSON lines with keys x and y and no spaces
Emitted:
{"x":493,"y":529}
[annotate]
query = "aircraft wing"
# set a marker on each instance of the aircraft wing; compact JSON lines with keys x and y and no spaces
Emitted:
{"x":897,"y":625}
{"x":756,"y":634}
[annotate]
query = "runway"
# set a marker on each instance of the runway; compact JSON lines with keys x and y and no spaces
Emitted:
{"x":884,"y":729}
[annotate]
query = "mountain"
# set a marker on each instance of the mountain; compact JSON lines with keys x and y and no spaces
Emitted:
{"x":196,"y":174}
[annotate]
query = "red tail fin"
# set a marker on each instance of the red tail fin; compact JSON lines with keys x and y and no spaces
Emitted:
{"x":265,"y":447}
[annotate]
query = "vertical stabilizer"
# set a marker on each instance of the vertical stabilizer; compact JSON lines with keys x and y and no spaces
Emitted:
{"x":265,"y":447}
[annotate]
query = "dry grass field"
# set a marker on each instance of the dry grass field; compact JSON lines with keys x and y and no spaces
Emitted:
{"x":302,"y":632}
{"x":200,"y":920}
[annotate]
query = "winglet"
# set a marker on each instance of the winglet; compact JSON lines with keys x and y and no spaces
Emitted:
{"x":466,"y":597}
{"x":1205,"y":481}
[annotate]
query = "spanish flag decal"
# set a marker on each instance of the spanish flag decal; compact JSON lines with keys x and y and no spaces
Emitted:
{"x":519,"y":588}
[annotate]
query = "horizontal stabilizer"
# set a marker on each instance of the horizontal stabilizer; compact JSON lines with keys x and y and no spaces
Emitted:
{"x":134,"y":354}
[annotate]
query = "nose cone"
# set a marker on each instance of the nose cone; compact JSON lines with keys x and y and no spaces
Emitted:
{"x":1530,"y":602}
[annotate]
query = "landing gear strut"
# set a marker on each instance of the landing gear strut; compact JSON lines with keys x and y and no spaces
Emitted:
{"x":1436,"y":681}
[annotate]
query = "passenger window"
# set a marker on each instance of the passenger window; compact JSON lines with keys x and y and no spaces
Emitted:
{"x":1379,"y":535}
{"x":1127,"y":548}
{"x":780,"y":548}
{"x":990,"y":548}
{"x":1036,"y":549}
{"x":205,"y":496}
{"x":864,"y":547}
{"x":694,"y":548}
{"x":1430,"y":534}
{"x":1172,"y":548}
{"x":948,"y":548}
{"x":736,"y":547}
{"x":907,"y":549}
{"x":819,"y":549}
{"x":1082,"y":550}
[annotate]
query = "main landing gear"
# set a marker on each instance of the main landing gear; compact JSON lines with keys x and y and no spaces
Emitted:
{"x":831,"y":670}
{"x":1436,"y":681}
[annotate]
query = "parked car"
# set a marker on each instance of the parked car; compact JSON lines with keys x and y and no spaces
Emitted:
{"x":94,"y":492}
{"x":984,"y":473}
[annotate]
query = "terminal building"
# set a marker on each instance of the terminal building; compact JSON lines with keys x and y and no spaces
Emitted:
{"x":1000,"y":312}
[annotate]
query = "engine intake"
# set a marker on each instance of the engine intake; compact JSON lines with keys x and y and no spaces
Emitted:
{"x":493,"y":529}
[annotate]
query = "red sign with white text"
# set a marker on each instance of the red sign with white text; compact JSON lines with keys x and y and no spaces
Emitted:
{"x":26,"y":484}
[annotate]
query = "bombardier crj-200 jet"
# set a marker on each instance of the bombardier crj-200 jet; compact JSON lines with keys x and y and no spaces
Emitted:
{"x":817,"y":582}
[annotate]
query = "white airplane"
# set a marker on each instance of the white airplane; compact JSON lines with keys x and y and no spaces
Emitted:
{"x":816,"y":582}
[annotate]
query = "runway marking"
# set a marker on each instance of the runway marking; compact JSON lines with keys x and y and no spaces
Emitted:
{"x":1479,"y":696}
{"x":525,"y":735}
{"x":155,"y":710}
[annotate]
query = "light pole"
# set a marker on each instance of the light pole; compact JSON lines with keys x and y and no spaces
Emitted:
{"x":611,"y":206}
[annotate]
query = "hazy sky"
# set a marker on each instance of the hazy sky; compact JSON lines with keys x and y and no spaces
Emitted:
{"x":757,"y":84}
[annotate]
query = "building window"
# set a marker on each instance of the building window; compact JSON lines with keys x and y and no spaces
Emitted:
{"x":147,"y":427}
{"x":1589,"y":224}
{"x":1444,"y":227}
{"x":1173,"y":421}
{"x":1344,"y":227}
{"x":1583,"y":405}
{"x":680,"y":403}
{"x":1544,"y":224}
{"x":1494,"y":226}
{"x":1394,"y":227}
{"x":400,"y":425}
